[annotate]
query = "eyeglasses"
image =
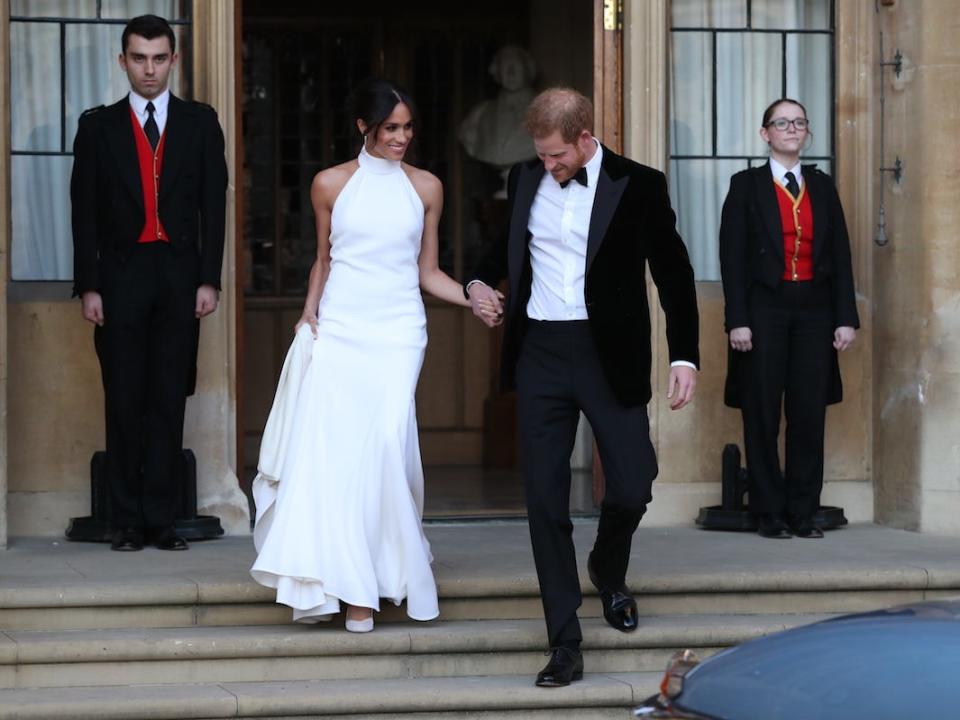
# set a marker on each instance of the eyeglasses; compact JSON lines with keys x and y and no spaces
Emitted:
{"x":782,"y":123}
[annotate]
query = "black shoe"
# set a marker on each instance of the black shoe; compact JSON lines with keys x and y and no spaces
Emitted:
{"x":805,"y":527}
{"x":168,"y":539}
{"x":564,"y":667}
{"x":127,"y":540}
{"x":619,"y":607}
{"x":772,"y":525}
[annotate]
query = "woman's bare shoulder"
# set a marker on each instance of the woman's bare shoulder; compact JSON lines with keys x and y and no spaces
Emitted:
{"x":427,"y":185}
{"x":328,"y":183}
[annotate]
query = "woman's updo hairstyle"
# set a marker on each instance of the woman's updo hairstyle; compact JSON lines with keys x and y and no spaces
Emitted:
{"x":373,"y":101}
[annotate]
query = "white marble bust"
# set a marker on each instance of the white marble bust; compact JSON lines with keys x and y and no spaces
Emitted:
{"x":493,"y":130}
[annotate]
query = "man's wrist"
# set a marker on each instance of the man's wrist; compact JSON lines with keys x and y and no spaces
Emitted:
{"x":683,"y":363}
{"x":466,"y":288}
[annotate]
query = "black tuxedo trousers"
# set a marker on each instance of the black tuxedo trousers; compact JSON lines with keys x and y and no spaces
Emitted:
{"x":790,"y":363}
{"x":146,"y":348}
{"x":559,"y":373}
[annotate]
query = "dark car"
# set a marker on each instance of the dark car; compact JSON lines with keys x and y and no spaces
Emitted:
{"x":892,"y":664}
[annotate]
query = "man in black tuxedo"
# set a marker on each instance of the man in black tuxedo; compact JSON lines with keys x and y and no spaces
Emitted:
{"x":584,"y":223}
{"x":148,"y":195}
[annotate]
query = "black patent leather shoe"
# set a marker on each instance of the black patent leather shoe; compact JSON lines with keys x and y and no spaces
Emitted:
{"x":127,"y":540}
{"x":565,"y":666}
{"x":168,"y":539}
{"x":772,"y":525}
{"x":806,"y":528}
{"x":619,"y":607}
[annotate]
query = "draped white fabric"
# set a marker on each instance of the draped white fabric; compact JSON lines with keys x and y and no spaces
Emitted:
{"x":720,"y":84}
{"x":50,"y":89}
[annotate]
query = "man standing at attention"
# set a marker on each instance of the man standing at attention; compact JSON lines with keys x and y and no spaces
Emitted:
{"x":584,"y":224}
{"x":148,"y":195}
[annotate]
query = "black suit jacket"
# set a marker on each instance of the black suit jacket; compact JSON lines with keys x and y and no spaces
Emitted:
{"x":107,"y":198}
{"x":751,"y":251}
{"x":631,"y":224}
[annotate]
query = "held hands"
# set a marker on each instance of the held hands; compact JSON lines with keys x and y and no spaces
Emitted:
{"x":741,"y":339}
{"x":487,"y":304}
{"x":92,"y":307}
{"x":207,"y":298}
{"x":680,"y":386}
{"x":843,"y":337}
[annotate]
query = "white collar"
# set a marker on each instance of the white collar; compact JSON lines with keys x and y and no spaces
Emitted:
{"x":593,"y":164}
{"x":160,"y":103}
{"x":779,"y":171}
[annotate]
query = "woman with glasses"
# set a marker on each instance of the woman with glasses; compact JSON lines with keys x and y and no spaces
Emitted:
{"x":789,"y":307}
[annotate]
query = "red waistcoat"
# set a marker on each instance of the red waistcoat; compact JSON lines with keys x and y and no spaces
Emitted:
{"x":151,"y":165}
{"x":796,"y":218}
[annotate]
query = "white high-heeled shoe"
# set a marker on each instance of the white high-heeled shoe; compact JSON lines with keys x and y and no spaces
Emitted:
{"x":360,"y":626}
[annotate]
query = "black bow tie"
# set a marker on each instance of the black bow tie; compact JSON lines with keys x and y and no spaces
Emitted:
{"x":580,"y":177}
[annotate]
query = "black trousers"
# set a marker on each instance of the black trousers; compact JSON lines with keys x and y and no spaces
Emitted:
{"x":558,"y":375}
{"x":146,"y":348}
{"x":789,"y":364}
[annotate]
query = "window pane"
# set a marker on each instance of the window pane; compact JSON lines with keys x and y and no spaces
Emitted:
{"x":791,"y":14}
{"x":94,"y":77}
{"x":709,"y":13}
{"x":125,"y":9}
{"x":698,"y":188}
{"x":751,"y":80}
{"x":691,"y":108}
{"x":54,"y":8}
{"x":40,"y":193}
{"x":808,"y":80}
{"x":35,"y":82}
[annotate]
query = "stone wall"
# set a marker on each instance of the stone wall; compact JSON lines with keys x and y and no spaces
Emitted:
{"x":917,"y":358}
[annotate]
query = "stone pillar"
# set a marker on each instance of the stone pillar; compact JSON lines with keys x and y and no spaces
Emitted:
{"x":211,"y":423}
{"x":4,"y":252}
{"x":915,"y":277}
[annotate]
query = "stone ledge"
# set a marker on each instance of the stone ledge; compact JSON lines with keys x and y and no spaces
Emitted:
{"x":476,"y":636}
{"x":433,"y":697}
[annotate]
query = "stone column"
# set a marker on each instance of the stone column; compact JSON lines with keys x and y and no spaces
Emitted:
{"x":915,"y":277}
{"x":4,"y":252}
{"x":211,"y":423}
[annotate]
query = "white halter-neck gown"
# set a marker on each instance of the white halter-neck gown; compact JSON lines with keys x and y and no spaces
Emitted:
{"x":339,"y":492}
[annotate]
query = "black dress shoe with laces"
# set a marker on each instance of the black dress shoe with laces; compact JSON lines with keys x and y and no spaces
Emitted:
{"x":772,"y":525}
{"x":805,"y":527}
{"x":168,"y":539}
{"x":619,"y":607}
{"x":565,"y":666}
{"x":127,"y":540}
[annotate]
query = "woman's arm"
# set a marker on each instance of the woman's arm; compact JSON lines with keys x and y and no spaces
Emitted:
{"x":432,"y":279}
{"x":323,"y":191}
{"x":733,"y":262}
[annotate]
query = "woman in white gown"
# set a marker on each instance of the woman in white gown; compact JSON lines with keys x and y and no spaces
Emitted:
{"x":339,"y":492}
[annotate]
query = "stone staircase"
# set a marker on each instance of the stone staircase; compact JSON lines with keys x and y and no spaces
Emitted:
{"x":191,"y":636}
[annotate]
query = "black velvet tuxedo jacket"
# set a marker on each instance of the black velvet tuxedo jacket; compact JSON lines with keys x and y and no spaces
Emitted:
{"x":631,"y":225}
{"x":751,"y":252}
{"x":107,"y":197}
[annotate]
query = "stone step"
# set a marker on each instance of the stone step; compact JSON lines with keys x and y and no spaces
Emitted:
{"x":598,"y":696}
{"x":145,"y":604}
{"x":270,"y":653}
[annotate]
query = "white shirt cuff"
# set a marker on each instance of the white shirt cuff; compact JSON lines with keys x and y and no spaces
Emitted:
{"x":683,"y":363}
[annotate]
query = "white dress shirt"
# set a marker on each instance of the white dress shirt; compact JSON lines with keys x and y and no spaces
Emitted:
{"x":559,"y":223}
{"x":160,"y":105}
{"x":779,"y":171}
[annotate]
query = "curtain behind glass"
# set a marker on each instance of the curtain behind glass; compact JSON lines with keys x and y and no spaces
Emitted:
{"x":747,"y":76}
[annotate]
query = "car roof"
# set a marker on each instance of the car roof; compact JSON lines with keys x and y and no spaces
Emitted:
{"x":896,"y":662}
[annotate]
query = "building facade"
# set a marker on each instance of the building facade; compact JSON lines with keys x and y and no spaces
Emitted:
{"x":678,"y":85}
